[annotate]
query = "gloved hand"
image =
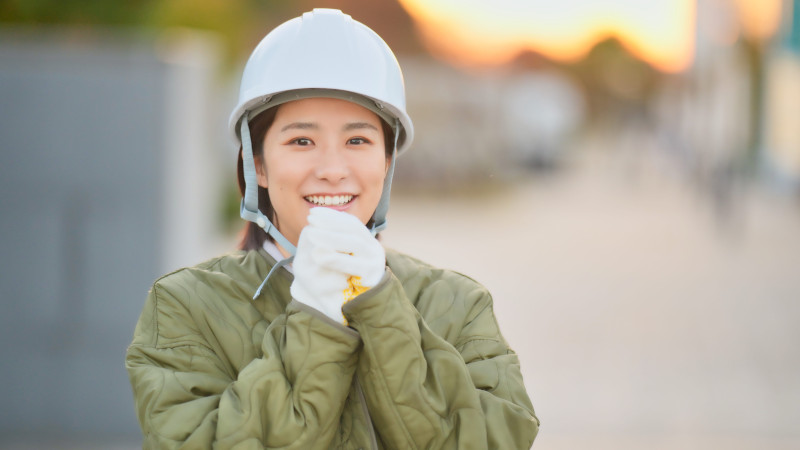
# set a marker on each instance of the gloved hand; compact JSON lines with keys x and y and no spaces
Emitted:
{"x":337,"y":258}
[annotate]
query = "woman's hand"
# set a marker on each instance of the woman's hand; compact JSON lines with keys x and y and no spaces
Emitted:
{"x":337,"y":258}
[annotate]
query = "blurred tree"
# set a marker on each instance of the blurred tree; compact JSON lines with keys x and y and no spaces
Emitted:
{"x":81,"y":12}
{"x":240,"y":23}
{"x":617,"y":83}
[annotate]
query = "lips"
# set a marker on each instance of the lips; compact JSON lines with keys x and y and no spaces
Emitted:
{"x":329,"y":200}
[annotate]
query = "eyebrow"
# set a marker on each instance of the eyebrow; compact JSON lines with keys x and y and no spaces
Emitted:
{"x":359,"y":126}
{"x":313,"y":126}
{"x":300,"y":126}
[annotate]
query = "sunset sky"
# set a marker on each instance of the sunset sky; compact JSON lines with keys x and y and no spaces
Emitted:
{"x":661,"y":32}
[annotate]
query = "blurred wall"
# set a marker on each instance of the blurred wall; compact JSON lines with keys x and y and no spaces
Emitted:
{"x":99,"y":133}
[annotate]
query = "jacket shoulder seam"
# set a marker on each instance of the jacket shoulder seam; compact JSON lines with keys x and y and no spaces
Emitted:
{"x":157,"y":344}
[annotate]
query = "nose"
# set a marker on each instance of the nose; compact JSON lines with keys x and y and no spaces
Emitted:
{"x":332,"y":164}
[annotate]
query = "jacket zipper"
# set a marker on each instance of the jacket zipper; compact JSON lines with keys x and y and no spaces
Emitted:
{"x":363,"y":400}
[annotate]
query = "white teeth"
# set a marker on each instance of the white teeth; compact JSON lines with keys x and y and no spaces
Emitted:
{"x":329,"y":200}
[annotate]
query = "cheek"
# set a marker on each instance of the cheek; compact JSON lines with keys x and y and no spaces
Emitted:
{"x":370,"y":171}
{"x":375,"y":175}
{"x":274,"y":170}
{"x":285,"y":176}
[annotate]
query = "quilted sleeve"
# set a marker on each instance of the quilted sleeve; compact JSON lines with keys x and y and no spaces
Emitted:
{"x":423,"y":391}
{"x":188,"y":396}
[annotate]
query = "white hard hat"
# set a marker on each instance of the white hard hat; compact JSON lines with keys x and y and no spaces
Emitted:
{"x":323,"y":53}
{"x":324,"y":49}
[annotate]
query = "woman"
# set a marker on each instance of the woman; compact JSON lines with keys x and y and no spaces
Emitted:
{"x":343,"y":345}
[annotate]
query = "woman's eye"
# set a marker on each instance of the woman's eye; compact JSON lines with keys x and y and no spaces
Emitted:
{"x":301,"y":141}
{"x":357,"y":141}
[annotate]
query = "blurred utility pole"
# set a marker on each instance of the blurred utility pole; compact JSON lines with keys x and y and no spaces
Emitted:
{"x":762,"y":29}
{"x":792,"y":39}
{"x":754,"y":51}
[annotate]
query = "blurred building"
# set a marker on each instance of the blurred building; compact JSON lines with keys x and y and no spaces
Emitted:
{"x":782,"y":103}
{"x":477,"y":127}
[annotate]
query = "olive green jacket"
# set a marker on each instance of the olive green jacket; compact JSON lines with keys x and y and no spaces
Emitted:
{"x":421,"y":365}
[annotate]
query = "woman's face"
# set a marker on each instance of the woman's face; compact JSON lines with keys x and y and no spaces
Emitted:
{"x":322,"y":152}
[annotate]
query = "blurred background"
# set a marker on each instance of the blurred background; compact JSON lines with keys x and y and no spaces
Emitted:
{"x":623,"y":176}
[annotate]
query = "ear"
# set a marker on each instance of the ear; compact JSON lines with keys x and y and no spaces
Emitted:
{"x":261,"y":172}
{"x":388,"y":163}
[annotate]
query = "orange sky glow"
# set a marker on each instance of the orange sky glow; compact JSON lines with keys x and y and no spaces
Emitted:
{"x":660,"y":32}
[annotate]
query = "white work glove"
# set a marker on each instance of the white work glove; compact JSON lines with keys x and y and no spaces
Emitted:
{"x":337,"y":258}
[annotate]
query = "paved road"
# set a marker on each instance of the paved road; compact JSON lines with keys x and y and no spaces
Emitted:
{"x":643,"y":319}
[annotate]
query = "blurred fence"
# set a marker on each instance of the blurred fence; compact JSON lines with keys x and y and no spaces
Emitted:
{"x":106,"y":174}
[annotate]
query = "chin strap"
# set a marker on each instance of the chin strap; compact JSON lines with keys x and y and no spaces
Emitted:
{"x":249,"y":206}
{"x":379,"y":218}
{"x":248,"y":209}
{"x":277,"y":265}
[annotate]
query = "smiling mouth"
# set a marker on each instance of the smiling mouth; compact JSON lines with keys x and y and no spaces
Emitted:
{"x":329,"y":200}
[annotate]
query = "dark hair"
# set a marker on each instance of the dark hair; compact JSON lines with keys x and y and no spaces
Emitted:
{"x":253,"y":236}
